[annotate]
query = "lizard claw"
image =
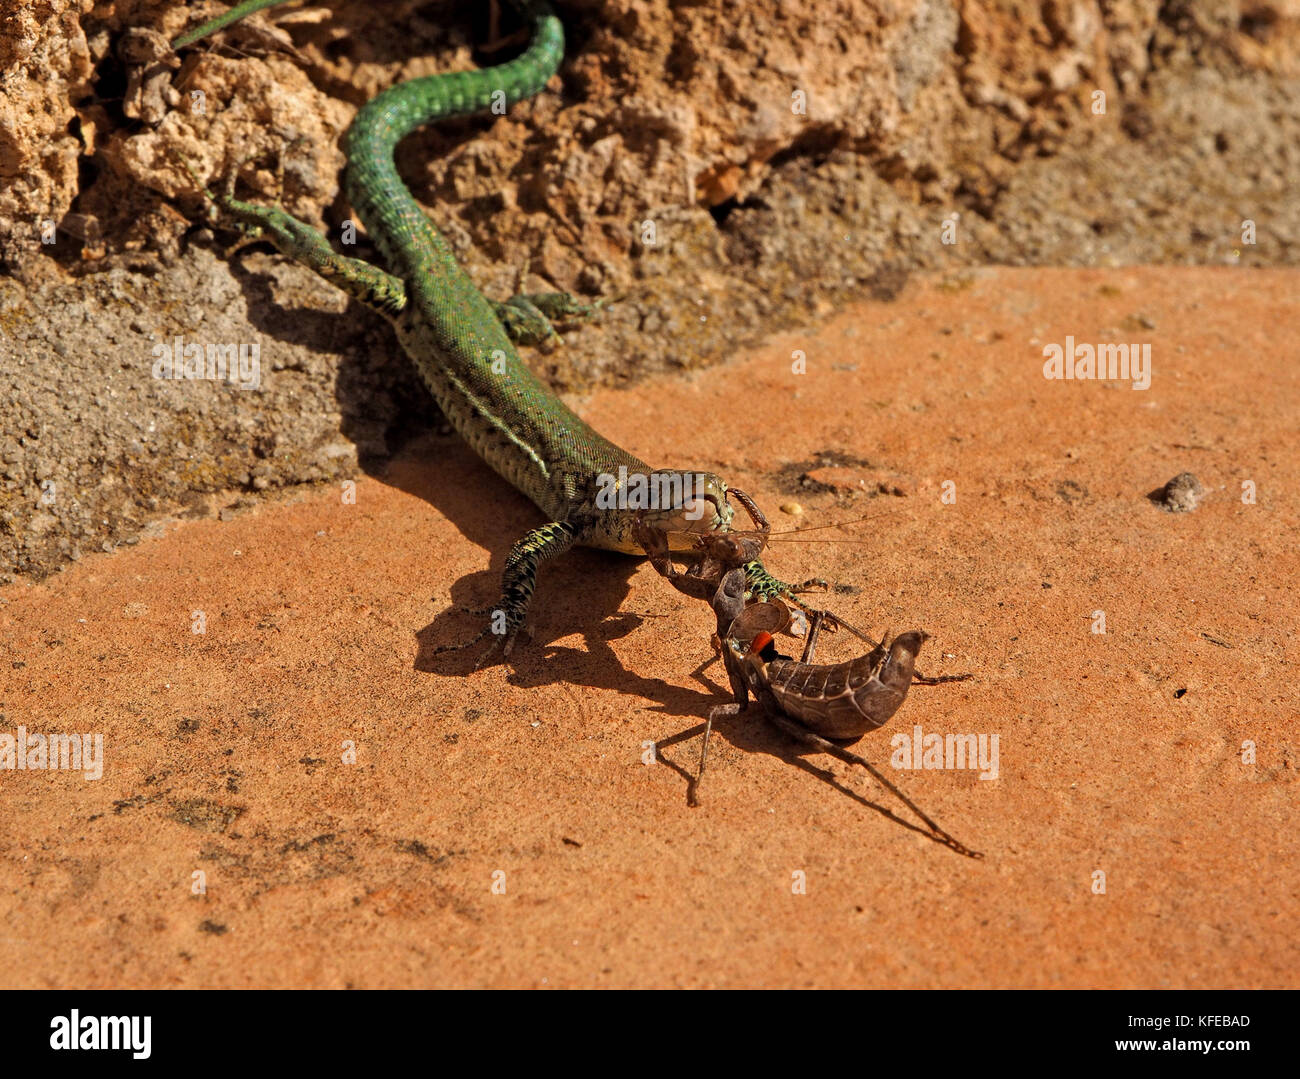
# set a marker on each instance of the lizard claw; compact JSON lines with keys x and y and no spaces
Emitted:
{"x":506,"y":640}
{"x":487,"y":652}
{"x":507,"y":643}
{"x":457,"y":647}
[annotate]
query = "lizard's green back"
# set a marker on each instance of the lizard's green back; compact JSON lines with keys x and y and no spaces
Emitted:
{"x":510,"y":417}
{"x":460,"y":346}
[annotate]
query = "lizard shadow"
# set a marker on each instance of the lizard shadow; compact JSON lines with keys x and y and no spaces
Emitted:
{"x":581,"y":592}
{"x":382,"y":402}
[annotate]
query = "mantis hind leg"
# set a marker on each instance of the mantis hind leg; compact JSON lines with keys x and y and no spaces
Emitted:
{"x":816,"y":741}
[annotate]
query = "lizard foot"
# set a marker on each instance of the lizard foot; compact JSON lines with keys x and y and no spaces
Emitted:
{"x":507,"y":644}
{"x":530,"y":318}
{"x":501,"y":627}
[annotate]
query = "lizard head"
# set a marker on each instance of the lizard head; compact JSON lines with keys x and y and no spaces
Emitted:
{"x":695,"y":505}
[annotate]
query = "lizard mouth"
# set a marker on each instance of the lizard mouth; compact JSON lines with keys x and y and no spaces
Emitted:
{"x":702,"y":515}
{"x":699,"y":508}
{"x":720,"y":517}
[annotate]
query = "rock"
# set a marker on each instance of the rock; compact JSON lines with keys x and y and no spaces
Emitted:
{"x":1180,"y":495}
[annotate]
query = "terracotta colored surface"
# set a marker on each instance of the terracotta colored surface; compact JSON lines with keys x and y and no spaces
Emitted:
{"x":1118,"y":752}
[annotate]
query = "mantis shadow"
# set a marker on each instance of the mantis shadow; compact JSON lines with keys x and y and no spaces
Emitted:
{"x":752,"y":732}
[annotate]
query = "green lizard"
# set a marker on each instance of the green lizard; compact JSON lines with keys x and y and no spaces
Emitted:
{"x":461,"y":342}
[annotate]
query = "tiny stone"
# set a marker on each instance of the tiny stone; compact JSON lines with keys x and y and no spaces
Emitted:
{"x":1180,"y":495}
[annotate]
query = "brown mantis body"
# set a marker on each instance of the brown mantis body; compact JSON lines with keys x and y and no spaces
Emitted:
{"x":841,"y":701}
{"x":821,"y":705}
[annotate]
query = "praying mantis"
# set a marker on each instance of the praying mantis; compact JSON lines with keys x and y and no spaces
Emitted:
{"x":823,"y":706}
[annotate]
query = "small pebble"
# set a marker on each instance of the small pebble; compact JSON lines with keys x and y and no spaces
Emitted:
{"x":1180,"y":495}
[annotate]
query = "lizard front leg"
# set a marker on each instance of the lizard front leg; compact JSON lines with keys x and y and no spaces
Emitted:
{"x":519,"y":580}
{"x":380,"y":291}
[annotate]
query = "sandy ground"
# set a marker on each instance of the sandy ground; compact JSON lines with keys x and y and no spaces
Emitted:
{"x":1119,"y":753}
